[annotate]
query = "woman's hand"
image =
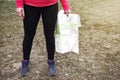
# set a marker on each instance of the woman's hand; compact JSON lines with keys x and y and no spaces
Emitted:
{"x":20,"y":12}
{"x":67,"y":12}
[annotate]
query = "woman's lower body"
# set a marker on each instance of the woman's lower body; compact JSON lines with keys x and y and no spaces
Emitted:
{"x":49,"y":18}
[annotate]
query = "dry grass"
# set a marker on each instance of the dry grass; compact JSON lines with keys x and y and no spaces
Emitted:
{"x":99,"y":57}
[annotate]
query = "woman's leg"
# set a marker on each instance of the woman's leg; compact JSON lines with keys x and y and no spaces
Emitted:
{"x":49,"y":16}
{"x":32,"y":15}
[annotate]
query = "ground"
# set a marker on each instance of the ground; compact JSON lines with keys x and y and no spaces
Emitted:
{"x":99,"y":41}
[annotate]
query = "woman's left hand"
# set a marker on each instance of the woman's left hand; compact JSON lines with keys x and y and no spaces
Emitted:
{"x":67,"y":12}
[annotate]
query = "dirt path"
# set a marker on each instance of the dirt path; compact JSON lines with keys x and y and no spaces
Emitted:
{"x":99,"y":57}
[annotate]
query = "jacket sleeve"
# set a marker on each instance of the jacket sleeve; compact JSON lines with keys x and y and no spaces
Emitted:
{"x":19,"y":3}
{"x":65,"y":4}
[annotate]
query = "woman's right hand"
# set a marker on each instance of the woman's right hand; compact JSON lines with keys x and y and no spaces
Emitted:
{"x":20,"y":12}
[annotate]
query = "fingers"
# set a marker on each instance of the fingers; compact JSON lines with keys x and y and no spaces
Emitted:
{"x":23,"y":14}
{"x":67,"y":12}
{"x":20,"y":12}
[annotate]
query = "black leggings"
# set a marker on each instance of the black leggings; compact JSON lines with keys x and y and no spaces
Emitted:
{"x":32,"y":16}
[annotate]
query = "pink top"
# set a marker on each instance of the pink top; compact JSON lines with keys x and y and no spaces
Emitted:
{"x":42,"y":3}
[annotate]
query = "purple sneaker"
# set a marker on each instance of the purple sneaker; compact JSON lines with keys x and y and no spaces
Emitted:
{"x":24,"y":69}
{"x":51,"y":67}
